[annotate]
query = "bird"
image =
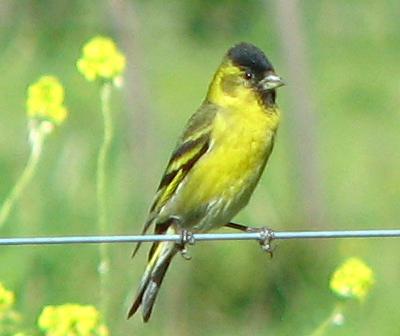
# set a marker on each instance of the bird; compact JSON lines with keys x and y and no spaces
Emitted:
{"x":217,"y":162}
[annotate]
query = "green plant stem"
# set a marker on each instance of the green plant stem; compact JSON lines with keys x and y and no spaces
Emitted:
{"x":104,"y":266}
{"x":37,"y":140}
{"x":328,"y":322}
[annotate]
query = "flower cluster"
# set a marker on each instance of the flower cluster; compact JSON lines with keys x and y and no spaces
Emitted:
{"x":7,"y":299}
{"x":101,"y":60}
{"x":9,"y":318}
{"x":353,"y":279}
{"x":46,"y":100}
{"x":71,"y":320}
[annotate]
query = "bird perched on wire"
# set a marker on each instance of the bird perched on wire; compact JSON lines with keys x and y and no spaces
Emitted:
{"x":217,"y":161}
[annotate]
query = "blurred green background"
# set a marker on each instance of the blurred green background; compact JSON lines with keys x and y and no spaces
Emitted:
{"x":335,"y":164}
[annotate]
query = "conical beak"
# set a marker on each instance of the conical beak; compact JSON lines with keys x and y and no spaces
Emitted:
{"x":270,"y":82}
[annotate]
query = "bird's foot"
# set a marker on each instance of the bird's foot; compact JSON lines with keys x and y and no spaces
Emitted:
{"x":266,"y":235}
{"x":266,"y":238}
{"x":187,"y":238}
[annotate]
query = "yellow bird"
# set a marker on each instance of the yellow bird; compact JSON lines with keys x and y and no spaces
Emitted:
{"x":217,"y":161}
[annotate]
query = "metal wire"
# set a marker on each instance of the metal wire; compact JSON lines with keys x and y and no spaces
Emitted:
{"x":260,"y":236}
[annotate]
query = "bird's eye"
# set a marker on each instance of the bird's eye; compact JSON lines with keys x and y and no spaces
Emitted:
{"x":248,"y":75}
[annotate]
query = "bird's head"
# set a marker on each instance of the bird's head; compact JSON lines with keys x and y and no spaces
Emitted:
{"x":245,"y":74}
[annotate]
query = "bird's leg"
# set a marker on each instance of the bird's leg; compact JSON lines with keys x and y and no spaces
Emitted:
{"x":241,"y":227}
{"x":266,"y":235}
{"x":187,"y":238}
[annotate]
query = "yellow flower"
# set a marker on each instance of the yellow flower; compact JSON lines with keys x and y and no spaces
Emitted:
{"x":71,"y":320}
{"x":101,"y":60}
{"x":352,"y":280}
{"x":7,"y":299}
{"x":45,"y":100}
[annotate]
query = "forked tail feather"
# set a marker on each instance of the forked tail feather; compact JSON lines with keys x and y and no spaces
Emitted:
{"x":152,"y":278}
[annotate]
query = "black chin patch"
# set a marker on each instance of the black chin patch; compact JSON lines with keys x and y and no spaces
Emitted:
{"x":248,"y":56}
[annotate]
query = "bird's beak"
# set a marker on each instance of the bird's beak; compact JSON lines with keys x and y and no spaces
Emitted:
{"x":270,"y":82}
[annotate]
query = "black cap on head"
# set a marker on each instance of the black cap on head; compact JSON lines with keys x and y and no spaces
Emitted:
{"x":248,"y":56}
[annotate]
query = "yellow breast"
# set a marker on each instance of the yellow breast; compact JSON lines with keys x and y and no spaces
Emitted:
{"x":223,"y":180}
{"x":241,"y":144}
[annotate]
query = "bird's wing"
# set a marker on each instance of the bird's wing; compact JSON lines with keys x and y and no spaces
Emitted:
{"x":192,"y":145}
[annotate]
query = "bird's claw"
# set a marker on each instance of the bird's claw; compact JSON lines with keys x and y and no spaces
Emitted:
{"x":266,"y":235}
{"x":266,"y":238}
{"x":187,"y":238}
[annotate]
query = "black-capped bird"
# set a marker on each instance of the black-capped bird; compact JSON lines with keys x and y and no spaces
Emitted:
{"x":217,"y":161}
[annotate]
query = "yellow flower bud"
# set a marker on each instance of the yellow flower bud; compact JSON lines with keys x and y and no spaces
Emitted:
{"x":7,"y":299}
{"x":101,"y":60}
{"x":352,"y":280}
{"x":71,"y":319}
{"x":45,"y":100}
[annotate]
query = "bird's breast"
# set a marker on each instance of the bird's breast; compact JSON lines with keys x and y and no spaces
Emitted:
{"x":223,"y":180}
{"x":240,"y":149}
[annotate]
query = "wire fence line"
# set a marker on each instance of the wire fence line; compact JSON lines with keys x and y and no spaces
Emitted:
{"x":258,"y":236}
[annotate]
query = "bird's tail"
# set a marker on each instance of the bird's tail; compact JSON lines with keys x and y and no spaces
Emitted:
{"x":160,"y":258}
